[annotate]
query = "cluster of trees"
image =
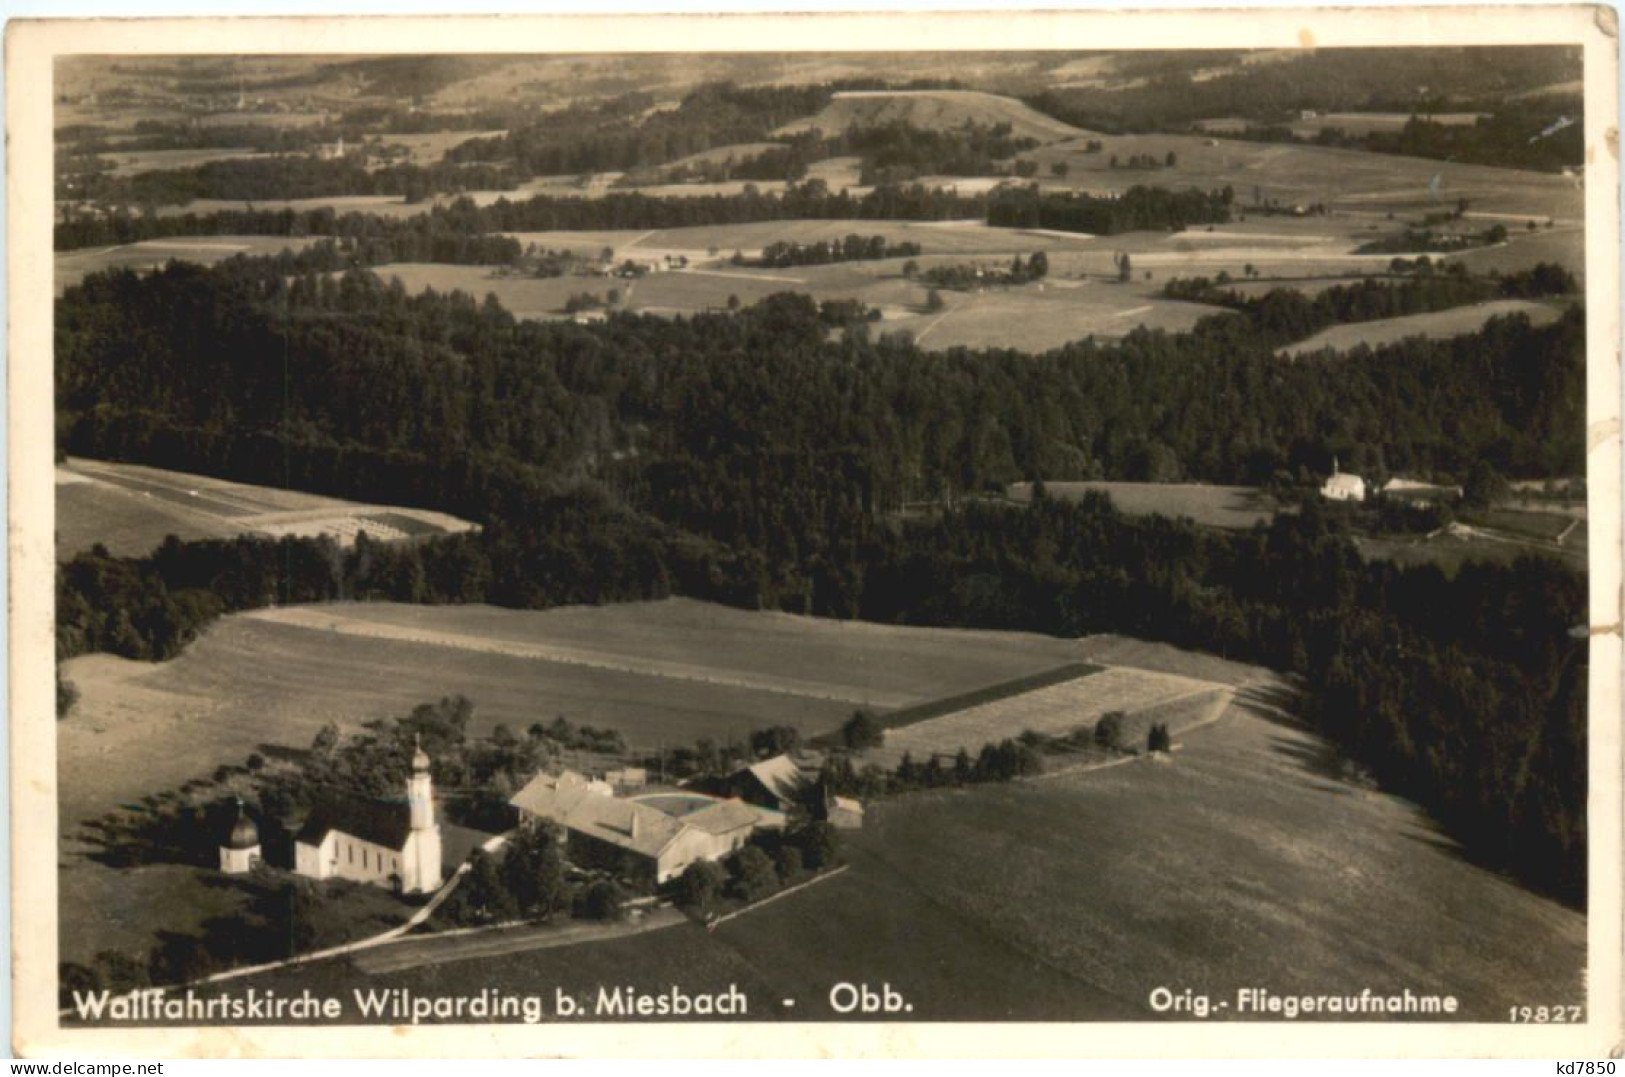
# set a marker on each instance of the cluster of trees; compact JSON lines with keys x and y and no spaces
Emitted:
{"x":525,"y":881}
{"x":961,"y":277}
{"x":1145,"y":161}
{"x":1137,"y":209}
{"x":1284,"y":314}
{"x":251,"y":179}
{"x":768,"y":862}
{"x":853,"y":248}
{"x":1426,"y":239}
{"x":898,"y":151}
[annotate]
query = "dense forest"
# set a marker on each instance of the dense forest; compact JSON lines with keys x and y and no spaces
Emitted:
{"x":1546,"y":135}
{"x":251,"y":179}
{"x":187,"y":367}
{"x":612,"y":462}
{"x":1170,"y":96}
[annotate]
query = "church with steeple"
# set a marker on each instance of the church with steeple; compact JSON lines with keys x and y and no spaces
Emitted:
{"x":386,"y":842}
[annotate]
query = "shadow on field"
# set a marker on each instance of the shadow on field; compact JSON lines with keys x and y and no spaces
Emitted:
{"x":1277,"y":704}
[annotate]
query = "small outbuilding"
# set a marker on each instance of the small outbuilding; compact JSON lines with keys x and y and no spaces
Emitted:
{"x":240,"y":852}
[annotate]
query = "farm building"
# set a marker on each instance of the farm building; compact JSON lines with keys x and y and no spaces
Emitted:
{"x":779,"y":784}
{"x":844,"y":813}
{"x":1342,"y":486}
{"x":630,"y":837}
{"x":240,"y":852}
{"x":1420,"y":491}
{"x":389,"y":843}
{"x":627,"y":778}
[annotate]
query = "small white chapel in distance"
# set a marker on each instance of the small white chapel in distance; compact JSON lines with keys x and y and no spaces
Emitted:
{"x":1342,"y":486}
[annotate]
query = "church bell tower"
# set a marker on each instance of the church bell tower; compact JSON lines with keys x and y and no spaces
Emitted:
{"x":422,"y":870}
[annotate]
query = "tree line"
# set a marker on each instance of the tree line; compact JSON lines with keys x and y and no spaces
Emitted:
{"x":854,"y":248}
{"x":352,"y":387}
{"x":1285,"y":314}
{"x":1465,"y":694}
{"x":1137,"y":209}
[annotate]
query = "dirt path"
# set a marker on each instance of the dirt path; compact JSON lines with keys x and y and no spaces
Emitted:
{"x":450,"y":946}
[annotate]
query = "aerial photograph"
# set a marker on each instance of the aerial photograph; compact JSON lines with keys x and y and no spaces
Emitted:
{"x":1009,"y":536}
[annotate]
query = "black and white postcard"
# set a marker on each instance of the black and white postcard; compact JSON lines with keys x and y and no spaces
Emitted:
{"x":859,"y":534}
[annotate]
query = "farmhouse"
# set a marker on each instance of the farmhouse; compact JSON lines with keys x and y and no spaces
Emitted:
{"x":1342,"y":486}
{"x":776,"y":786}
{"x":630,"y":837}
{"x":384,"y":842}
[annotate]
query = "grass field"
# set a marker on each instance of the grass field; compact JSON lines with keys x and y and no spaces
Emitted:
{"x":671,"y":671}
{"x":1056,"y":710}
{"x":73,"y":266}
{"x":430,"y":147}
{"x":1454,"y":548}
{"x":1455,"y":322}
{"x":935,"y":110}
{"x":1071,"y":898}
{"x":130,"y":509}
{"x":1031,"y":318}
{"x":1293,"y":174}
{"x":127,"y":164}
{"x":384,"y":205}
{"x":934,"y":237}
{"x":1231,"y":507}
{"x":1547,"y":526}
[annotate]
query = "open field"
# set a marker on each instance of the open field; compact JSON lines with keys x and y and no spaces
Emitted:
{"x":135,"y":163}
{"x":1292,"y":175}
{"x":384,"y":205}
{"x":671,"y":671}
{"x":130,"y":509}
{"x":73,"y":266}
{"x":1056,"y":710}
{"x":934,"y":237}
{"x":1231,"y":507}
{"x":1455,"y":322}
{"x":739,"y":151}
{"x":1453,"y":547}
{"x":1072,"y":897}
{"x":1547,"y":526}
{"x":934,"y":110}
{"x":428,"y":148}
{"x":1034,"y":318}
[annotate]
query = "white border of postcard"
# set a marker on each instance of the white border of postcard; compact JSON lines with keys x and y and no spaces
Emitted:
{"x":30,"y":49}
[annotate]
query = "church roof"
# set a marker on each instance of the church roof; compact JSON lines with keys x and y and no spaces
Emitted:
{"x":244,"y":834}
{"x":382,"y":822}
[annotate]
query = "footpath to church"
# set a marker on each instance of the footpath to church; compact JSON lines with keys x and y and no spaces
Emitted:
{"x":446,"y":946}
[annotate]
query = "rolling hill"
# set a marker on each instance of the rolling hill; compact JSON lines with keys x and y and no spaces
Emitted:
{"x":936,"y":110}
